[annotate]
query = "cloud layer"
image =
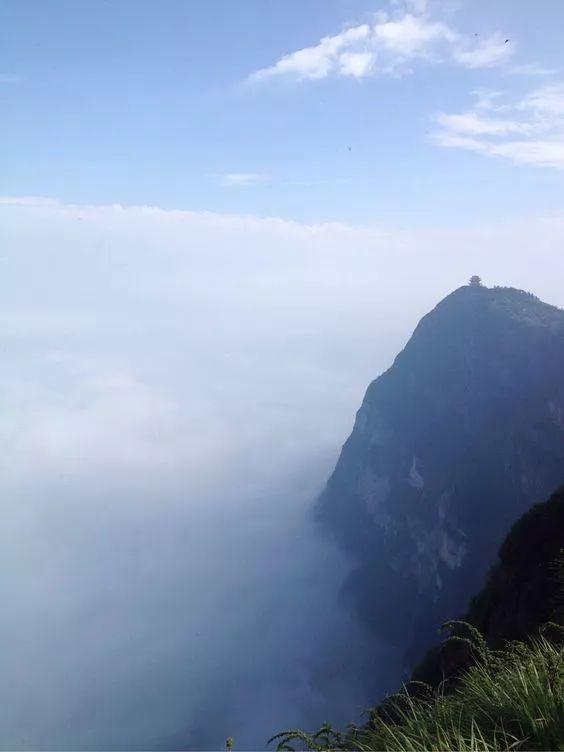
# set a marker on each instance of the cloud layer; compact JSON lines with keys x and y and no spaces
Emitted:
{"x":176,"y":386}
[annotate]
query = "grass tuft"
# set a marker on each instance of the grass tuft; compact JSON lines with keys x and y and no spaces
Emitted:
{"x":511,"y":699}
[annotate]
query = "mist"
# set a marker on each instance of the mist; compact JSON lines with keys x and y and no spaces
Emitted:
{"x":176,"y":388}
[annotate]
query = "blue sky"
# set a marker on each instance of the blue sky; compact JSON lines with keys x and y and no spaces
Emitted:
{"x":138,"y":102}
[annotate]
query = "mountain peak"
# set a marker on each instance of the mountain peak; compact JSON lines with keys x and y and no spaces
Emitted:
{"x":491,"y":329}
{"x":510,"y":301}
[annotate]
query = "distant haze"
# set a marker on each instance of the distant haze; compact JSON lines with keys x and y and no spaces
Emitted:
{"x":176,"y":387}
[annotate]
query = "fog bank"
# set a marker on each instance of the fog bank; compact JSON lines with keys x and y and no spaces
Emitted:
{"x":175,"y":390}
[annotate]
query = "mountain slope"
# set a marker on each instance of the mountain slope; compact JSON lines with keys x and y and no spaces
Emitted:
{"x":471,"y":410}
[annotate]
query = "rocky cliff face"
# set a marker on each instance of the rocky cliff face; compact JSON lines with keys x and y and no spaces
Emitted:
{"x":450,"y":446}
{"x":523,"y":594}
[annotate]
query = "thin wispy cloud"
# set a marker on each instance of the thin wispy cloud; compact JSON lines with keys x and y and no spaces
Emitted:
{"x":532,"y":69}
{"x":488,"y":53}
{"x":475,"y":124}
{"x":390,"y":45}
{"x":529,"y":131}
{"x":240,"y":179}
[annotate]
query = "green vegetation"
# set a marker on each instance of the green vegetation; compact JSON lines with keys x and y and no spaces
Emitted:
{"x":509,"y":699}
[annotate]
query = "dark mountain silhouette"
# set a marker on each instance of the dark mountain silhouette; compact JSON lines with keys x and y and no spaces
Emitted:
{"x":460,"y":437}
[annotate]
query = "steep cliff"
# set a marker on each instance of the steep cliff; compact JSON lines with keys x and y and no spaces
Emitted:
{"x":524,"y":593}
{"x":451,"y":445}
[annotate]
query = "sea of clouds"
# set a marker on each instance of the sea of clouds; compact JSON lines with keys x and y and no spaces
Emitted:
{"x":175,"y":390}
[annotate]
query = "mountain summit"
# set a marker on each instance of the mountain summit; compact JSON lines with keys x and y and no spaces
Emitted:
{"x":451,"y":445}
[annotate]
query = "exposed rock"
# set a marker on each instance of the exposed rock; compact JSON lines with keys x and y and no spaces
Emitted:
{"x":524,"y":592}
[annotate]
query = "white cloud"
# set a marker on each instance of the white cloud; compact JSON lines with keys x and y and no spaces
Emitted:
{"x":544,"y":153}
{"x":471,"y":123}
{"x":485,"y":99}
{"x":238,"y":179}
{"x":356,"y":64}
{"x":538,"y":118}
{"x":165,"y":428}
{"x":548,"y":100}
{"x":387,"y":46}
{"x":317,"y":61}
{"x":34,"y":201}
{"x":532,"y":69}
{"x":417,"y":6}
{"x":411,"y":36}
{"x":146,"y":341}
{"x":487,"y":53}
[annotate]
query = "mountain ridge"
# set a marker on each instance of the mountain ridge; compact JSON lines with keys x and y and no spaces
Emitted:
{"x":472,"y":409}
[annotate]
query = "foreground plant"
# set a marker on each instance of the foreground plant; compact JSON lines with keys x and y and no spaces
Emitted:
{"x":508,"y":700}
